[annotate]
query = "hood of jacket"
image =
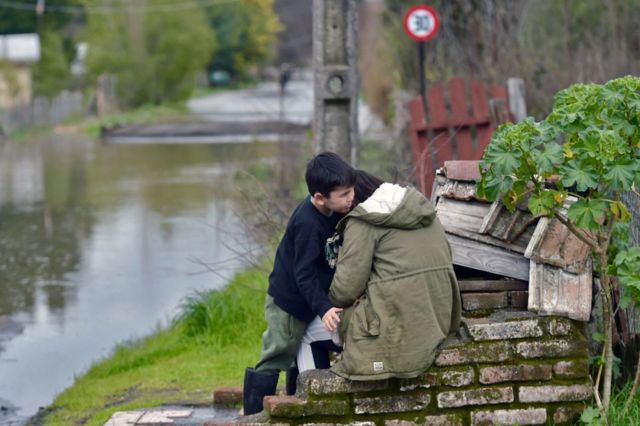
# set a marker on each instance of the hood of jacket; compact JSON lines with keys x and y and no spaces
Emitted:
{"x":393,"y":206}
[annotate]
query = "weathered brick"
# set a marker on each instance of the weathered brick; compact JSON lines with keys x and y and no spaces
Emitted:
{"x":392,"y":403}
{"x":567,"y":414}
{"x":481,"y":301}
{"x":552,"y":348}
{"x":291,"y":407}
{"x":443,"y":420}
{"x":529,"y":416}
{"x":480,"y":352}
{"x":227,"y":396}
{"x":325,"y":382}
{"x":516,"y":373}
{"x":454,"y":377}
{"x":571,"y":369}
{"x":486,"y":329}
{"x":559,"y":326}
{"x":475,"y":397}
{"x":284,"y":406}
{"x":519,"y":299}
{"x":554,"y":393}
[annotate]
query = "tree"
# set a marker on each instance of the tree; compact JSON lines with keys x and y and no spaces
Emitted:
{"x":590,"y":141}
{"x":550,"y":44}
{"x":246,"y":30}
{"x":154,"y":52}
{"x":51,"y":74}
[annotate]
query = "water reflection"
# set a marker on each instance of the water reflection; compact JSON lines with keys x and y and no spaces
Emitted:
{"x":95,"y":242}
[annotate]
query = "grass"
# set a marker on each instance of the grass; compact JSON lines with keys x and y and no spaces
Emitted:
{"x":207,"y":347}
{"x":618,"y":399}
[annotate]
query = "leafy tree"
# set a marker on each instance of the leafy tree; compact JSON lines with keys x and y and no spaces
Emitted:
{"x":590,"y":141}
{"x":246,"y":30}
{"x":51,"y":74}
{"x":154,"y":52}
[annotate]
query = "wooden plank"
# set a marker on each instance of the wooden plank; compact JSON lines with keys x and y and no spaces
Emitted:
{"x":442,"y":148}
{"x":553,"y":291}
{"x":470,"y":121}
{"x":477,"y":209}
{"x":418,"y":140}
{"x":490,"y":217}
{"x":485,"y":257}
{"x":517,"y":103}
{"x":516,"y":246}
{"x":499,"y":92}
{"x":458,"y":97}
{"x":479,"y":101}
{"x":460,"y":113}
{"x":467,"y":286}
{"x":453,"y":222}
{"x":483,"y":135}
{"x":436,"y":104}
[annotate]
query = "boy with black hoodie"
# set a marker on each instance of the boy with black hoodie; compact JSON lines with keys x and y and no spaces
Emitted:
{"x":301,"y":275}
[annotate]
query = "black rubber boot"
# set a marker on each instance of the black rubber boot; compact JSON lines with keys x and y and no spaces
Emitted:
{"x":256,"y":387}
{"x":292,"y":378}
{"x":320,"y":351}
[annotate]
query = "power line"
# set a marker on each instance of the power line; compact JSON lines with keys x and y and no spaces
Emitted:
{"x":167,"y":7}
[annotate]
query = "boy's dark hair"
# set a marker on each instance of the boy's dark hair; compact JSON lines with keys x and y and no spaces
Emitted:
{"x":327,"y":171}
{"x":366,"y":184}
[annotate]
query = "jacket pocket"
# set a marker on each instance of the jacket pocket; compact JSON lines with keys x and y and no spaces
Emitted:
{"x":365,"y":320}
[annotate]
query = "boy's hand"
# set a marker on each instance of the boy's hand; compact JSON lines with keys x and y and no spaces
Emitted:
{"x":331,"y":319}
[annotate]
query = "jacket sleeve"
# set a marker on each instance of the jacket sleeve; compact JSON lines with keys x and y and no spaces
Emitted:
{"x":308,"y":248}
{"x":354,"y":264}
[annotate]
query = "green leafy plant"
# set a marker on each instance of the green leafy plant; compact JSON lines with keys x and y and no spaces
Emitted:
{"x":574,"y":166}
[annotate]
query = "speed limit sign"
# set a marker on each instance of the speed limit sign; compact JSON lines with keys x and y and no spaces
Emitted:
{"x":421,"y":23}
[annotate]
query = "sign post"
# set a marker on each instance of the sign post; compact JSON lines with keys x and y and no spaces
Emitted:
{"x":421,"y":23}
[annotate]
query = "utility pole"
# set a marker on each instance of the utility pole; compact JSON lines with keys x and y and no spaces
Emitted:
{"x":336,"y":82}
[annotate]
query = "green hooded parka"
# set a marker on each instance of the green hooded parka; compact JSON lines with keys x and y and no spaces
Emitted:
{"x":395,"y":279}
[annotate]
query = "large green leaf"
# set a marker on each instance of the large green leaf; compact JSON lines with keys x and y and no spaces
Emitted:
{"x":542,"y":204}
{"x":621,"y":175}
{"x":587,"y":213}
{"x":501,"y":159}
{"x":551,"y":156}
{"x":584,"y":177}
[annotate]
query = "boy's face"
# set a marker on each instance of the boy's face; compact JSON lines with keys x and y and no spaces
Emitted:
{"x":339,"y":200}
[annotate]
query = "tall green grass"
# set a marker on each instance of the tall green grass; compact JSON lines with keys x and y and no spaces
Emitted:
{"x":234,"y":314}
{"x":618,"y":399}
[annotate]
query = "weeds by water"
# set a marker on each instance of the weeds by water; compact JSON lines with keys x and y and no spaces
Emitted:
{"x":207,"y":347}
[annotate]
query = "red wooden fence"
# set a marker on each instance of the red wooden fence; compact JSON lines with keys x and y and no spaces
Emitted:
{"x":460,"y":132}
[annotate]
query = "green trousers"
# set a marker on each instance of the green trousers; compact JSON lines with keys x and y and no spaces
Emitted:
{"x":281,"y":340}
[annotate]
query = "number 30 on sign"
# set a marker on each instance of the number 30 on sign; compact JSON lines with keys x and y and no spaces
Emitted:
{"x":421,"y":23}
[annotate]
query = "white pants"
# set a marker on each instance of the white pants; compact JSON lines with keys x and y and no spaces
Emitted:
{"x":315,"y":332}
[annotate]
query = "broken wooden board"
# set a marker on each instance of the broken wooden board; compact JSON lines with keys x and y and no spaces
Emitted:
{"x":465,"y":219}
{"x":554,"y":291}
{"x":508,"y":226}
{"x":488,"y":258}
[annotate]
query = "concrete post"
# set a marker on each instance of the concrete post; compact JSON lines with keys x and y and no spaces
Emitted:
{"x":336,"y":81}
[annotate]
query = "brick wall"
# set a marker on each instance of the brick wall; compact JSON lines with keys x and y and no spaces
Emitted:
{"x":509,"y":367}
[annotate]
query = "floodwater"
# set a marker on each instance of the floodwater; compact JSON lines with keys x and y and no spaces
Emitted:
{"x":100,"y":243}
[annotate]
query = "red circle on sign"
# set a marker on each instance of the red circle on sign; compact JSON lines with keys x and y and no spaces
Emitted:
{"x":421,"y":23}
